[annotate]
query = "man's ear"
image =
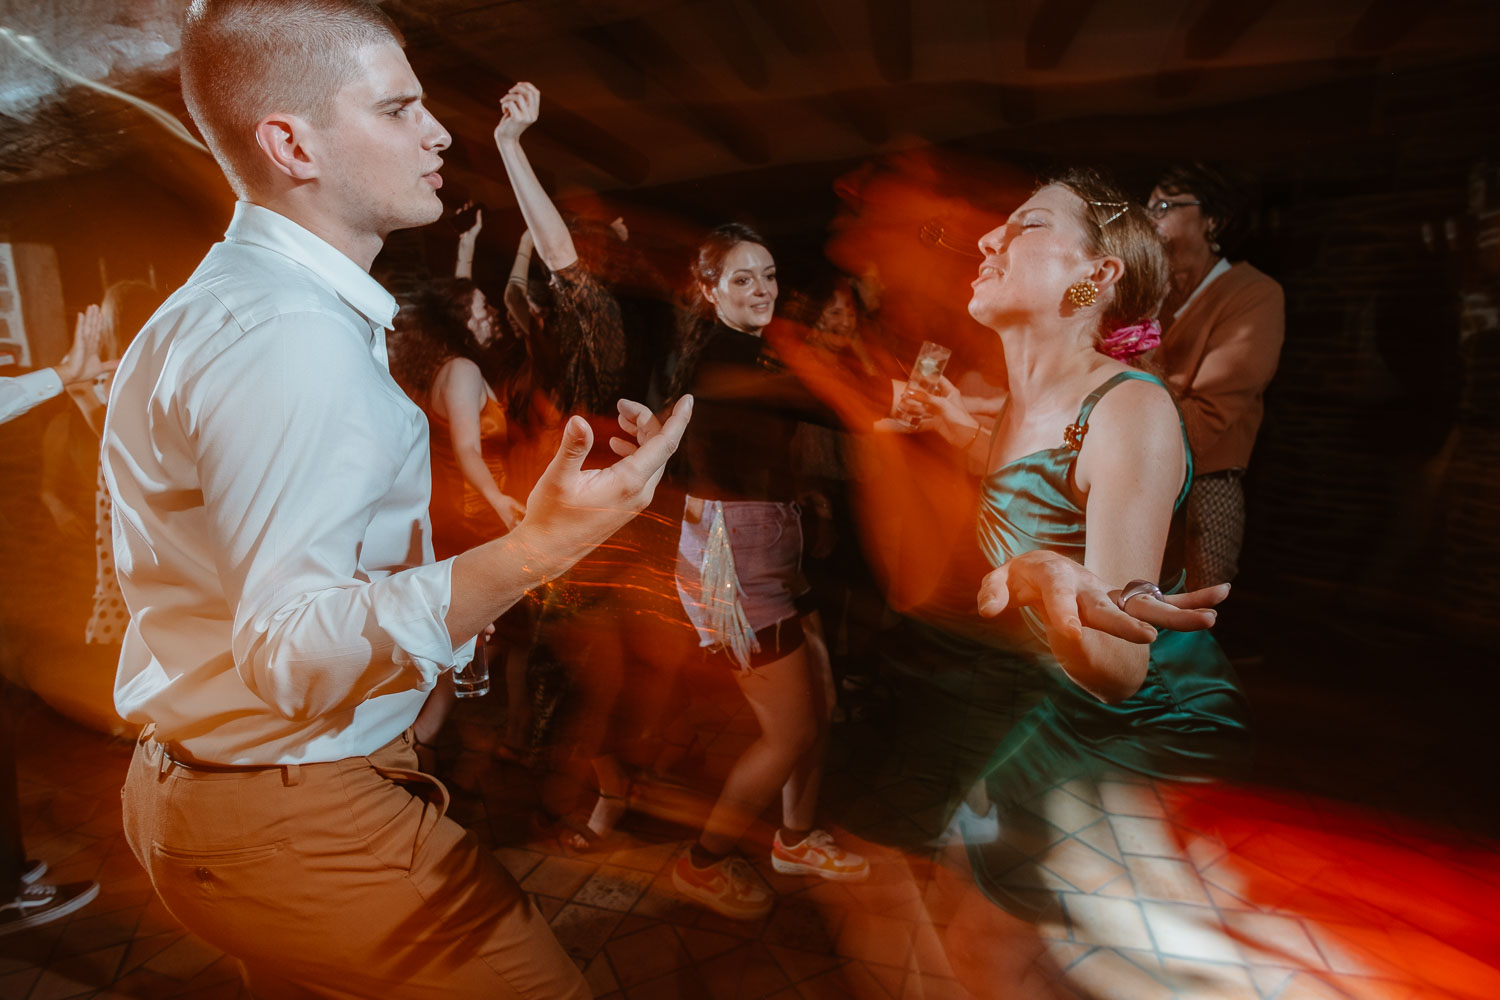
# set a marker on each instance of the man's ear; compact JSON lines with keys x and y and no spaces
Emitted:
{"x":283,"y":140}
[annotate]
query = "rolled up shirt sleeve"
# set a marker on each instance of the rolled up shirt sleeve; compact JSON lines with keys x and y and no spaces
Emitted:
{"x":304,"y":449}
{"x":21,"y":393}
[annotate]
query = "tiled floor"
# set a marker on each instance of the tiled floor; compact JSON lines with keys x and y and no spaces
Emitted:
{"x":1136,"y":904}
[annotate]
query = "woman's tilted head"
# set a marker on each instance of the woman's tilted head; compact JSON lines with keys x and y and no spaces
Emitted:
{"x":1076,"y":247}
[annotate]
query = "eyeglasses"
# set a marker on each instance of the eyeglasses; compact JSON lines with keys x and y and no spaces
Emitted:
{"x":1159,"y":209}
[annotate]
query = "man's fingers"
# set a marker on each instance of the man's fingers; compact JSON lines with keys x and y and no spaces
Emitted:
{"x":577,"y":439}
{"x":622,"y":447}
{"x":653,"y":454}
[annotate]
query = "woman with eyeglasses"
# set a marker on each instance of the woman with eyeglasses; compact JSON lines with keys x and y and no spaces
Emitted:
{"x":1222,"y":328}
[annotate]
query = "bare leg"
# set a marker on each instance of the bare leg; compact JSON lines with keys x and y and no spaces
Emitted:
{"x":780,"y":695}
{"x":799,"y":796}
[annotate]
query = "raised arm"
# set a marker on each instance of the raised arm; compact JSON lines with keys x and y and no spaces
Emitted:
{"x":517,"y":309}
{"x":458,"y":396}
{"x":519,"y":110}
{"x":467,"y":240}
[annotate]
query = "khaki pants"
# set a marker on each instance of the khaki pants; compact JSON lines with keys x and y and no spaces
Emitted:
{"x":341,"y":879}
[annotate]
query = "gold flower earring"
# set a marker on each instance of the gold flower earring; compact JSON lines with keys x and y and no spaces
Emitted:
{"x":1082,"y":294}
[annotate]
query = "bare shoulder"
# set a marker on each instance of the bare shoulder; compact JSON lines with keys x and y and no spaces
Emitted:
{"x":1135,"y":423}
{"x":1137,"y":402}
{"x":457,"y":371}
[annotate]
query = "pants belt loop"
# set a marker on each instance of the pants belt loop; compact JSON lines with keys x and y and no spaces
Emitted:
{"x":291,"y":774}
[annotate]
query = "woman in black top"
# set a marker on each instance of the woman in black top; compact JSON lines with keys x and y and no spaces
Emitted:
{"x":738,"y":574}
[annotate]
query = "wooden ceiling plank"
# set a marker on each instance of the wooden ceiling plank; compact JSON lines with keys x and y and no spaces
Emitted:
{"x":695,"y":101}
{"x":1054,"y":28}
{"x":891,"y":33}
{"x":1221,"y":25}
{"x":730,"y":34}
{"x":1385,"y":23}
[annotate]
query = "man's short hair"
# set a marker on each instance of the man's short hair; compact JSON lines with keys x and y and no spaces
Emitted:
{"x":245,"y":59}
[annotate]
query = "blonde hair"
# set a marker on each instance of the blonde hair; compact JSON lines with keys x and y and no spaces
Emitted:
{"x":1117,"y":227}
{"x":244,"y":59}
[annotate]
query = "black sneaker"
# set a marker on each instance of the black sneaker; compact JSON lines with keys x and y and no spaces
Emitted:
{"x":43,"y":903}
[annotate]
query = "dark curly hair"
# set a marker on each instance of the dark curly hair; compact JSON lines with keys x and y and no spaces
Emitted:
{"x":695,"y":321}
{"x":432,"y":329}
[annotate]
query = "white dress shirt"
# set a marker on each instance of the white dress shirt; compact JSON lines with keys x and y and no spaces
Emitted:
{"x":270,"y":486}
{"x":21,"y":393}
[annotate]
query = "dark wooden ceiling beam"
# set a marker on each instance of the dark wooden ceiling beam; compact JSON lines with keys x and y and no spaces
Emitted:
{"x":1054,"y":28}
{"x":730,"y":34}
{"x":1222,"y":24}
{"x":800,"y":26}
{"x":456,"y":80}
{"x":1385,"y":23}
{"x":891,"y":33}
{"x":694,"y":101}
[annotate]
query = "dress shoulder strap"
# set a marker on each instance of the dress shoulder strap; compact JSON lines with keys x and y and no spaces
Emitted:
{"x":1073,"y":434}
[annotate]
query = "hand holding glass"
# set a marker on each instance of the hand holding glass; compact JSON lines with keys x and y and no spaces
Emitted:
{"x":926,"y":375}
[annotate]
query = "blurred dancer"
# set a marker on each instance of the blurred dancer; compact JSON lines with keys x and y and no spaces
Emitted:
{"x":1222,"y":328}
{"x":25,"y":900}
{"x":271,"y":486}
{"x":444,"y":347}
{"x":1084,"y":464}
{"x":739,"y":576}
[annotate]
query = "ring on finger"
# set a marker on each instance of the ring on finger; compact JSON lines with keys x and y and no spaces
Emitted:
{"x":1139,"y":588}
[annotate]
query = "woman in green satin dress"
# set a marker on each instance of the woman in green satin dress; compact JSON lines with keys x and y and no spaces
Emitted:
{"x":1085,"y":459}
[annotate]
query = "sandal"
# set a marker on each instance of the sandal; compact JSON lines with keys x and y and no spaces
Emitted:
{"x":577,"y":836}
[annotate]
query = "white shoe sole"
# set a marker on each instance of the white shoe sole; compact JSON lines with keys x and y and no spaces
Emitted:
{"x":794,"y":868}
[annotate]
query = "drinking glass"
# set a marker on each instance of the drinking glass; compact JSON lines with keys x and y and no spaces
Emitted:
{"x":472,"y":680}
{"x":926,"y":374}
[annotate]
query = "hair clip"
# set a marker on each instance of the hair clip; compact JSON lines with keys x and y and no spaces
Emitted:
{"x":934,"y":234}
{"x":1120,"y":207}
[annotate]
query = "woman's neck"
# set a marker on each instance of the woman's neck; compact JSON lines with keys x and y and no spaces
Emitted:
{"x":1038,"y":362}
{"x":719,"y":318}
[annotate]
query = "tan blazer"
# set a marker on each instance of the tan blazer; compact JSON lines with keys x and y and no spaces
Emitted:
{"x":1219,"y":355}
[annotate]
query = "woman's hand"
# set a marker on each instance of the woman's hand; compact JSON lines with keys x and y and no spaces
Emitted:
{"x":1069,"y":598}
{"x":519,"y":110}
{"x":941,"y":410}
{"x":81,"y":363}
{"x":511,"y":511}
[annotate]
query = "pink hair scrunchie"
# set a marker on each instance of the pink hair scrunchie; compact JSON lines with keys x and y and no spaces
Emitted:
{"x":1128,"y":341}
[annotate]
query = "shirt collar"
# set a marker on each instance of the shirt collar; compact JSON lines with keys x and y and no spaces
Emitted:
{"x":260,"y":226}
{"x":1208,"y":279}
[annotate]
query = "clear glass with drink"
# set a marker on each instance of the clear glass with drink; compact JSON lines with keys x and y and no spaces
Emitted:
{"x":472,"y":680}
{"x":926,"y":375}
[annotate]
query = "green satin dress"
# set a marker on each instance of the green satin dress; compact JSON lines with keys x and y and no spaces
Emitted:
{"x":1187,"y":721}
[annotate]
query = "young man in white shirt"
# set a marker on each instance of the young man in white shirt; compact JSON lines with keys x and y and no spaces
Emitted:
{"x":271,"y":487}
